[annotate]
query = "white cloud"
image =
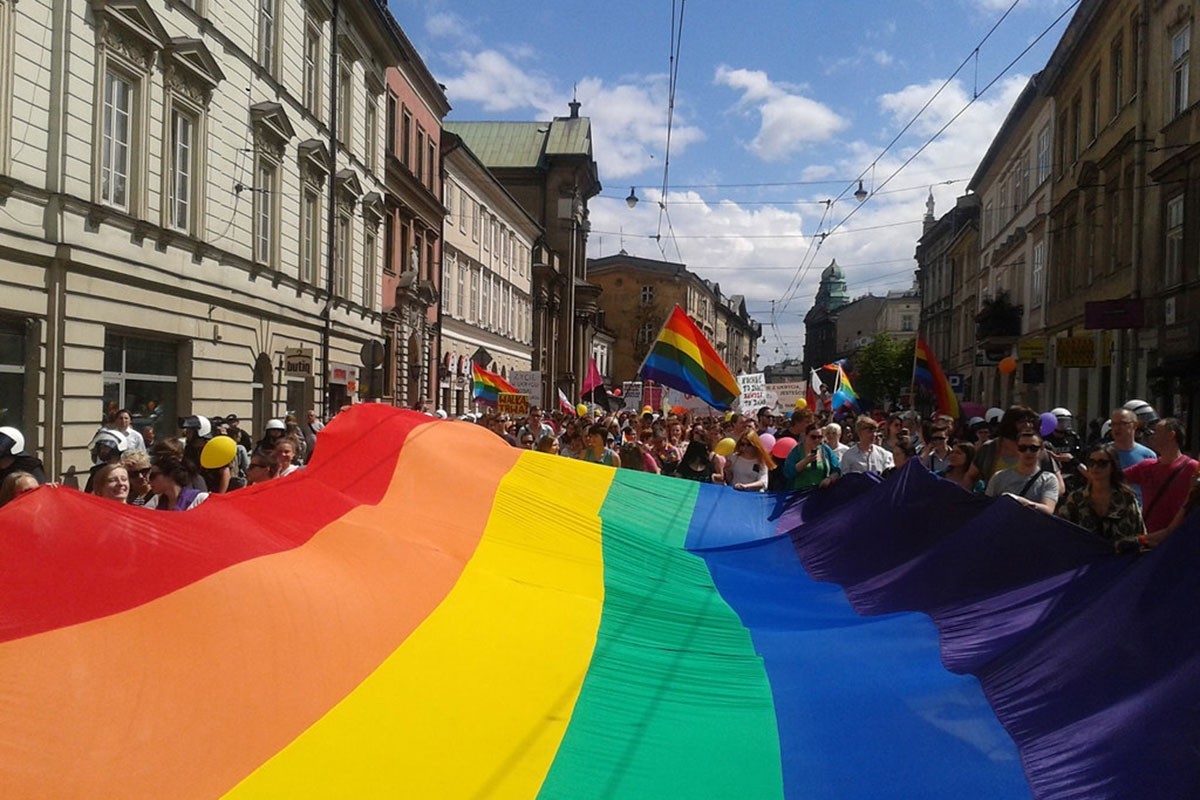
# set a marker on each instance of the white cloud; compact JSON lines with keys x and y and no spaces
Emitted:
{"x":448,"y":25}
{"x":788,"y":121}
{"x":497,"y":83}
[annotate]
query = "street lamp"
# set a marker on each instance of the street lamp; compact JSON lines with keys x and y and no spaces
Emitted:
{"x":861,"y":194}
{"x":632,"y":200}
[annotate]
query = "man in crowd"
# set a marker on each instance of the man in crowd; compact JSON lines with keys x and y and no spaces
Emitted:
{"x":866,"y":456}
{"x":122,"y":422}
{"x":1028,"y":482}
{"x":535,"y":426}
{"x":1166,"y":480}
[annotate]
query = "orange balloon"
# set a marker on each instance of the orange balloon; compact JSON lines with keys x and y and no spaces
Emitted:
{"x":1008,"y":364}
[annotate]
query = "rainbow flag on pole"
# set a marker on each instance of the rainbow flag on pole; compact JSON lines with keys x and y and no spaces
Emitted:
{"x":843,"y":393}
{"x":489,"y":385}
{"x":928,"y":373}
{"x":683,"y":359}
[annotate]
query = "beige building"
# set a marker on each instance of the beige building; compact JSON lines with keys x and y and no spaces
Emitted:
{"x":487,"y":276}
{"x":1013,"y":187}
{"x":640,"y":293}
{"x":177,"y":235}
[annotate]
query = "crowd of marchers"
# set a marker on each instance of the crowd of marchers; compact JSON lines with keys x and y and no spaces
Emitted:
{"x":1127,"y":480}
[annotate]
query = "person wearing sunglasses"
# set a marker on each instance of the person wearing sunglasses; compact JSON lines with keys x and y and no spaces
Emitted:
{"x":1028,"y":482}
{"x":749,"y":467}
{"x":811,"y":463}
{"x":262,"y":466}
{"x":936,"y":453}
{"x":1105,"y":504}
{"x":137,"y":464}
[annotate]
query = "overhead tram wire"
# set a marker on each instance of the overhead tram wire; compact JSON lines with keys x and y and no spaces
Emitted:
{"x":673,"y":82}
{"x":975,"y":96}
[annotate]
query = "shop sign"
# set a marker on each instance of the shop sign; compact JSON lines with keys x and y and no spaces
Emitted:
{"x":1032,"y":348}
{"x":298,"y":362}
{"x":1075,"y":352}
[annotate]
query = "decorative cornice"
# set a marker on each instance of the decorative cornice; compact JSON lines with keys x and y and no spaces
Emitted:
{"x":272,"y":130}
{"x":314,"y":161}
{"x":130,"y":28}
{"x":191,"y":69}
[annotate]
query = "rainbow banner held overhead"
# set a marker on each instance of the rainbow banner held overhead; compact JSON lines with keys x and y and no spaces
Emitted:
{"x":927,"y":372}
{"x":488,"y":386}
{"x":682,"y":358}
{"x":548,"y":628}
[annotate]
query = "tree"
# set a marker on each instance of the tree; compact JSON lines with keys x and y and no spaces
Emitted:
{"x":884,"y":369}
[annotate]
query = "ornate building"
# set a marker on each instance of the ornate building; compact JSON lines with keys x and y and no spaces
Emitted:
{"x":548,"y":167}
{"x":820,"y":323}
{"x":186,"y":227}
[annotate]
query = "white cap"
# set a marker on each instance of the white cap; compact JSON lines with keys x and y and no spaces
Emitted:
{"x":994,"y":414}
{"x":275,"y":425}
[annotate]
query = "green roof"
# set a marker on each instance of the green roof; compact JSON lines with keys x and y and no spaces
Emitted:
{"x":524,"y":144}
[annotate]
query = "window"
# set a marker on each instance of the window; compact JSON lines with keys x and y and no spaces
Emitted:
{"x":12,"y":374}
{"x":487,"y":223}
{"x":1076,"y":125}
{"x":141,"y":375}
{"x":463,"y":202}
{"x":182,"y":168}
{"x":646,"y":333}
{"x":448,"y":189}
{"x":460,"y":295}
{"x":1173,"y":258}
{"x":906,"y":322}
{"x":312,"y":66}
{"x":419,"y":164}
{"x":647,"y":295}
{"x":389,"y":242}
{"x":345,"y":110}
{"x":1038,"y":279}
{"x":406,"y":139}
{"x":266,"y":211}
{"x":343,"y":265}
{"x":393,"y":105}
{"x":1181,"y":46}
{"x":267,"y":32}
{"x":117,"y":139}
{"x":476,"y":213}
{"x":1089,"y":245}
{"x":448,"y":270}
{"x":371,"y":123}
{"x":1043,"y":155}
{"x":1094,"y":118}
{"x":1063,"y":151}
{"x":473,"y":311}
{"x":431,"y":165}
{"x":369,"y":269}
{"x":1116,"y":75}
{"x":310,"y":236}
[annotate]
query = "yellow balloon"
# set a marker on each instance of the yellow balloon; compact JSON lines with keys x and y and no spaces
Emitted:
{"x":219,"y":451}
{"x":725,"y":447}
{"x":647,"y":410}
{"x":801,"y":404}
{"x":581,"y":410}
{"x":728,"y":416}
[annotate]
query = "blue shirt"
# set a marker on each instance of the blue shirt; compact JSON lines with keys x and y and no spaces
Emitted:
{"x":1135,"y":454}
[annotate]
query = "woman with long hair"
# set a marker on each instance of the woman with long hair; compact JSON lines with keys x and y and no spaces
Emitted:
{"x":170,"y":480}
{"x":811,"y":463}
{"x":749,"y":466}
{"x":1106,"y":504}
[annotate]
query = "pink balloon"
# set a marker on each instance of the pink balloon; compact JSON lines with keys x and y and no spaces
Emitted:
{"x":783,"y":446}
{"x":768,"y":441}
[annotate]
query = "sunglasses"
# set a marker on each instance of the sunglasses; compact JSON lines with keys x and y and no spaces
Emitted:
{"x":1099,"y":462}
{"x":141,"y":473}
{"x":816,"y":436}
{"x":1029,"y":448}
{"x":938,"y":438}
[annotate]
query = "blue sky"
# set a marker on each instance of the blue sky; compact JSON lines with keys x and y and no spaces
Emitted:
{"x":779,"y":108}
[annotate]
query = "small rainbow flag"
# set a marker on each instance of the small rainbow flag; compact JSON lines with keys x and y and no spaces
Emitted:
{"x":683,"y":359}
{"x":928,"y":373}
{"x":489,"y":385}
{"x":844,"y":393}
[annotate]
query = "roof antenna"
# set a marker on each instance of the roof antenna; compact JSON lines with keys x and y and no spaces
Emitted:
{"x":574,"y":104}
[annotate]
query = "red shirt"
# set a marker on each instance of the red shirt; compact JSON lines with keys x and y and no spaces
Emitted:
{"x":1164,"y":488}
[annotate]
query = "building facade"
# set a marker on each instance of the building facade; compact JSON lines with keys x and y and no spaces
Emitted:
{"x":940,"y":274}
{"x":142,"y":255}
{"x":549,"y":168}
{"x":412,"y":233}
{"x":821,"y":322}
{"x":487,"y":263}
{"x":639,"y":295}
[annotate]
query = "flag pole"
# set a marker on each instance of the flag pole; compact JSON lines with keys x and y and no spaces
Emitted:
{"x":912,"y":383}
{"x":661,"y":328}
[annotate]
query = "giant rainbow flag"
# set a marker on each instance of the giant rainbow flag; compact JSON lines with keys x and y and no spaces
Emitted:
{"x":549,"y":628}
